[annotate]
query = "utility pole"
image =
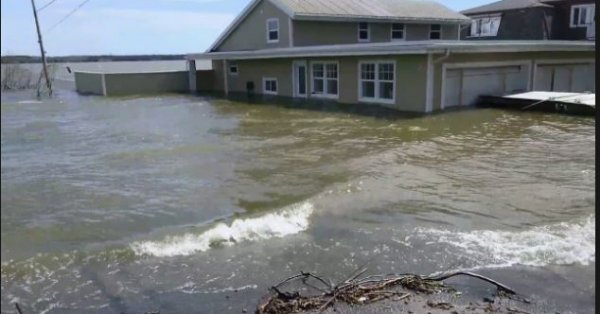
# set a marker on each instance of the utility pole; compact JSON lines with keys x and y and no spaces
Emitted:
{"x":37,"y":26}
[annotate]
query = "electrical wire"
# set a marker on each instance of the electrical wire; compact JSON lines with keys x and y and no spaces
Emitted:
{"x":46,"y":5}
{"x":67,"y":16}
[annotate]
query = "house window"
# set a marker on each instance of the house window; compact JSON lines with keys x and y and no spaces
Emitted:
{"x":582,"y":15}
{"x":325,"y":79}
{"x":435,"y":31}
{"x":233,"y":69}
{"x":377,"y":82}
{"x":397,"y":31}
{"x":363,"y":32}
{"x":273,"y":30}
{"x":269,"y":86}
{"x":485,"y":26}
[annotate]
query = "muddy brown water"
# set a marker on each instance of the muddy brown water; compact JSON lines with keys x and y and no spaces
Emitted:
{"x":189,"y":204}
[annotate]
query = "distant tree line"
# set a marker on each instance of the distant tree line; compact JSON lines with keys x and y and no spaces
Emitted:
{"x":34,"y":59}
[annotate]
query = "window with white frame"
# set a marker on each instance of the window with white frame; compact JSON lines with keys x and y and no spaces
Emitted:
{"x":273,"y":30}
{"x":583,"y":15}
{"x":485,"y":26}
{"x":324,"y":79}
{"x":233,"y":69}
{"x":435,"y":31}
{"x":363,"y":31}
{"x":269,"y":86}
{"x":377,"y":81}
{"x":398,"y":31}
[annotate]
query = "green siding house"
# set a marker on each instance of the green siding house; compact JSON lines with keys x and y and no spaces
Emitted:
{"x":403,"y":54}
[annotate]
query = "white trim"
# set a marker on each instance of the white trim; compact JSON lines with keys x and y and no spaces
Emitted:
{"x":306,"y":86}
{"x":311,"y":86}
{"x":375,"y":99}
{"x":273,"y":19}
{"x":360,"y":40}
{"x":264,"y":86}
{"x":403,"y":32}
{"x":470,"y":65}
{"x":291,"y":32}
{"x":225,"y":80}
{"x":429,"y":84}
{"x":590,"y":7}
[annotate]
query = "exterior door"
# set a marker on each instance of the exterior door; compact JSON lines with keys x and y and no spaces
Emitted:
{"x":300,"y":79}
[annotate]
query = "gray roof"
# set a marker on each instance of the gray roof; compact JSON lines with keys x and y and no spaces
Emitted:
{"x":398,"y":48}
{"x":505,"y":5}
{"x":409,"y":10}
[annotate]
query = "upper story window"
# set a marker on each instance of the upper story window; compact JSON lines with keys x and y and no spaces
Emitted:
{"x":363,"y":32}
{"x":485,"y":26}
{"x":273,"y":30}
{"x":583,"y":15}
{"x":435,"y":31}
{"x":398,"y":31}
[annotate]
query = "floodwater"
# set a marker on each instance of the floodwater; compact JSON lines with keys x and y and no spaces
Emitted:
{"x":186,"y":204}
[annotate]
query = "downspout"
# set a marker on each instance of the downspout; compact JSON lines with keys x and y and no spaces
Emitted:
{"x":442,"y":58}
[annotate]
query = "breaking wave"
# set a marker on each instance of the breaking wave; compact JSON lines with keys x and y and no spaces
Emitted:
{"x":290,"y":220}
{"x":558,"y":244}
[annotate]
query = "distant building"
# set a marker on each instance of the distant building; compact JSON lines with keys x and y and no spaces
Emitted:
{"x":532,"y":20}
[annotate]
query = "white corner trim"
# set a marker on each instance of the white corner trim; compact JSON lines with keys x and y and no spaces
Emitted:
{"x":429,"y":84}
{"x":291,"y":32}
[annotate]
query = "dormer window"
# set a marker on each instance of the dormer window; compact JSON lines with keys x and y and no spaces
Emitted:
{"x":273,"y":30}
{"x":397,"y":31}
{"x":435,"y":31}
{"x":582,"y":15}
{"x":363,"y":32}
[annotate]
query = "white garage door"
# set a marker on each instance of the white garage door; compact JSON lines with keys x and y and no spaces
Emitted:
{"x":464,"y":85}
{"x":578,"y":77}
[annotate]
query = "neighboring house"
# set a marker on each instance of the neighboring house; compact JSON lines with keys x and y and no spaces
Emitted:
{"x":401,"y":54}
{"x":532,"y":19}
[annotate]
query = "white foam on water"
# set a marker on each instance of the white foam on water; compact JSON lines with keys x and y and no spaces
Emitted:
{"x":558,"y":244}
{"x":290,"y":220}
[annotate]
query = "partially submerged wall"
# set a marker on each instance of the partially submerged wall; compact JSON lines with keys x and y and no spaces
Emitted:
{"x":89,"y":83}
{"x":121,"y":84}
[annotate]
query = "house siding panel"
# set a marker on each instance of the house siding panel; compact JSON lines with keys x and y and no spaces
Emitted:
{"x":314,"y":33}
{"x":410,"y":78}
{"x":251,"y":33}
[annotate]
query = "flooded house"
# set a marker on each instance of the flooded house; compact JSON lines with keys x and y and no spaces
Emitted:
{"x":406,"y":55}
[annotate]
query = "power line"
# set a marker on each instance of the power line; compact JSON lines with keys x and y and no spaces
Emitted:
{"x":68,"y":15}
{"x":46,"y":5}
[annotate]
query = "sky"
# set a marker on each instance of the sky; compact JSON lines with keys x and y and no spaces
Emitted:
{"x":121,"y":27}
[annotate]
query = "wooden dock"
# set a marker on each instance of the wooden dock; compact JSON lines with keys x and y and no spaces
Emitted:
{"x":559,"y":102}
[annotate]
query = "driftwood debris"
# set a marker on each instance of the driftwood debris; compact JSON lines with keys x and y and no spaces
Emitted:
{"x":355,"y":290}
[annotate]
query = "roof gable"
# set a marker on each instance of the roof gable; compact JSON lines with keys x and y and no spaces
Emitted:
{"x":505,"y":5}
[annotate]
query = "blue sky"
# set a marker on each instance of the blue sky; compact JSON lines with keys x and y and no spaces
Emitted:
{"x":126,"y":26}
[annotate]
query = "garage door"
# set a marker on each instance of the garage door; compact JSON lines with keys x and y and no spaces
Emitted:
{"x":580,"y":77}
{"x":464,"y":85}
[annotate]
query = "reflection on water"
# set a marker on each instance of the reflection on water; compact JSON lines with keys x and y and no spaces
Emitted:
{"x":171,"y":202}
